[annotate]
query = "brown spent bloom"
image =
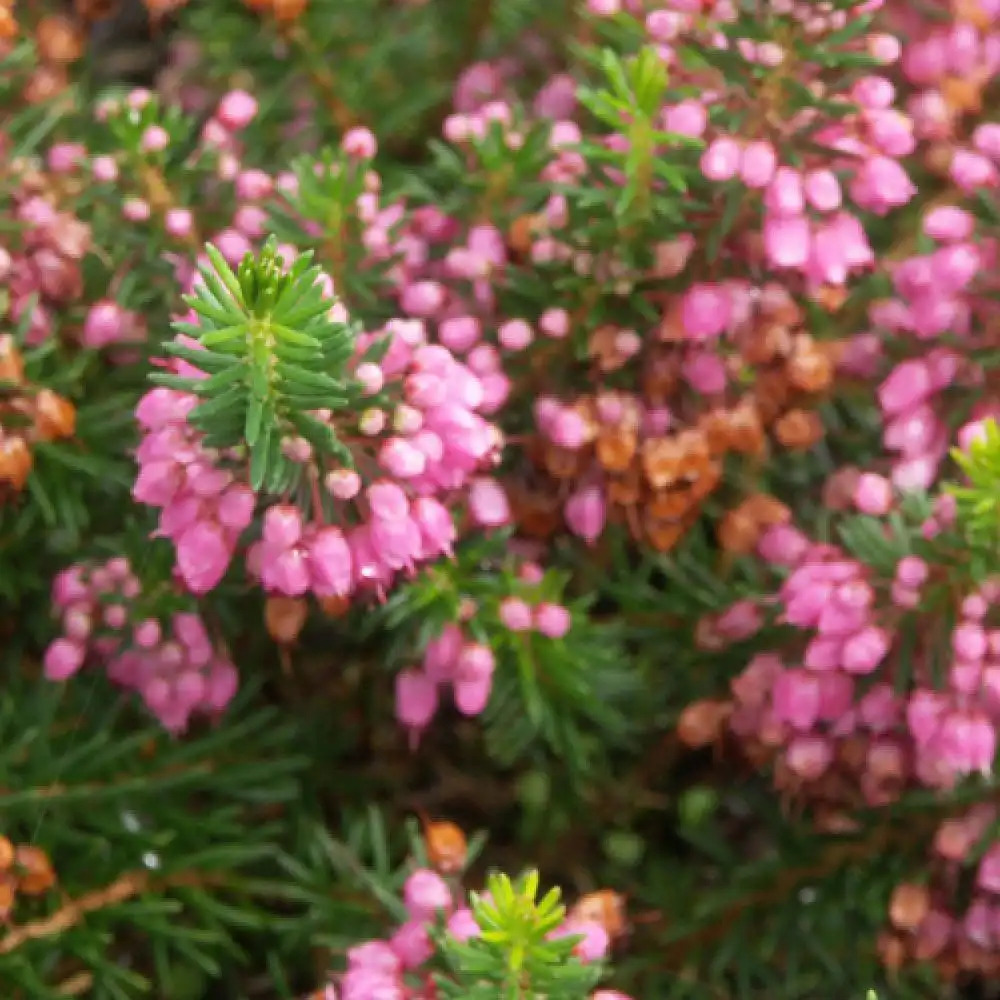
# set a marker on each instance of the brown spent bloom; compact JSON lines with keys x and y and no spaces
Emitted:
{"x":11,"y":362}
{"x":58,"y":40}
{"x":6,"y":854}
{"x":701,"y":723}
{"x":55,"y":417}
{"x":45,"y":83}
{"x":35,"y":874}
{"x":287,"y":11}
{"x":285,"y":618}
{"x":15,"y":461}
{"x":908,"y":906}
{"x":605,"y":907}
{"x":810,"y":369}
{"x":8,"y":32}
{"x":447,"y":848}
{"x":799,"y":429}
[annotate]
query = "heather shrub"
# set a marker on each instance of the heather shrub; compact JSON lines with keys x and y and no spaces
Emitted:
{"x":444,"y":439}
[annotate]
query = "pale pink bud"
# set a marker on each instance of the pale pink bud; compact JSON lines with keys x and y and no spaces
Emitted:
{"x":873,"y":494}
{"x":586,"y":513}
{"x":425,"y":893}
{"x":721,"y":160}
{"x":359,"y":143}
{"x":758,"y":164}
{"x":488,"y":503}
{"x":416,"y":699}
{"x":553,"y":620}
{"x":62,"y":659}
{"x":236,"y":110}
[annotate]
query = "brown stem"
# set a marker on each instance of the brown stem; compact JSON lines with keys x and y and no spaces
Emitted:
{"x":75,"y":910}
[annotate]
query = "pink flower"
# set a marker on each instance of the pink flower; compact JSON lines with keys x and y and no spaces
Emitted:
{"x":202,"y":557}
{"x":462,"y":925}
{"x":416,"y":699}
{"x":586,"y":513}
{"x":63,"y":658}
{"x":515,"y":614}
{"x":425,"y":893}
{"x":864,"y":651}
{"x":473,"y":695}
{"x":359,"y":143}
{"x":873,"y":494}
{"x":330,"y":563}
{"x":236,"y":110}
{"x":721,"y":160}
{"x":797,"y":699}
{"x":553,"y":620}
{"x":758,"y":164}
{"x":787,"y":240}
{"x":706,"y":311}
{"x":907,"y":386}
{"x":488,"y":503}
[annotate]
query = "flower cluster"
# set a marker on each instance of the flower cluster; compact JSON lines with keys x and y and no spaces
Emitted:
{"x":170,"y":661}
{"x":43,"y":273}
{"x":420,"y":442}
{"x":467,"y":662}
{"x":404,"y":965}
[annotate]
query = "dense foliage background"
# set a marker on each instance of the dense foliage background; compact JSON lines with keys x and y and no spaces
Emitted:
{"x":440,"y":439}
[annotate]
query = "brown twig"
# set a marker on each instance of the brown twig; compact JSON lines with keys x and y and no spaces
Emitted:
{"x":75,"y":910}
{"x":130,"y":884}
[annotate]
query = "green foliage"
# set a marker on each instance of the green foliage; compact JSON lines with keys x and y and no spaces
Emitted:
{"x":514,"y":958}
{"x":273,"y":355}
{"x":979,"y":501}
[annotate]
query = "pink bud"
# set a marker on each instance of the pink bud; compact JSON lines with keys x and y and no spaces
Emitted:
{"x":462,"y":925}
{"x":359,"y":143}
{"x":873,"y":494}
{"x":63,"y":659}
{"x":721,"y":160}
{"x":553,"y":620}
{"x":282,"y":526}
{"x":416,"y":699}
{"x":758,"y":164}
{"x":515,"y":335}
{"x":865,"y":650}
{"x":586,"y":513}
{"x":515,"y":614}
{"x":154,"y":139}
{"x":202,"y":557}
{"x":488,"y":503}
{"x":554,"y":323}
{"x":706,"y":311}
{"x":472,"y":696}
{"x":236,"y":110}
{"x":425,"y":893}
